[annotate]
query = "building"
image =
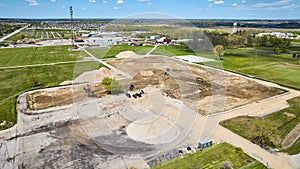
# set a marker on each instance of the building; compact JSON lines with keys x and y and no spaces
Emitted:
{"x":205,"y":143}
{"x":97,"y":41}
{"x":276,"y":34}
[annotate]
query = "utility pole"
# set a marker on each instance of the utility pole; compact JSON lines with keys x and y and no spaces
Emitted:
{"x":72,"y":27}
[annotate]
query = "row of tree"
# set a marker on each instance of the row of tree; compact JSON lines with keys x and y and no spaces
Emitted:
{"x":246,"y":39}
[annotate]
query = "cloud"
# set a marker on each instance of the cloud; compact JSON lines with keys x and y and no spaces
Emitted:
{"x":120,"y":1}
{"x":104,"y":1}
{"x":149,"y":3}
{"x":234,"y":4}
{"x":243,"y":1}
{"x":92,"y":1}
{"x":219,"y":2}
{"x":143,"y":0}
{"x":84,"y":8}
{"x":53,"y":0}
{"x":291,"y":6}
{"x":116,"y":8}
{"x":271,"y":4}
{"x":32,"y":2}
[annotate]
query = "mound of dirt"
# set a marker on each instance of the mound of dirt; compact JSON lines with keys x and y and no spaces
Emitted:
{"x":127,"y":54}
{"x":153,"y":129}
{"x":146,"y":73}
{"x":95,"y":75}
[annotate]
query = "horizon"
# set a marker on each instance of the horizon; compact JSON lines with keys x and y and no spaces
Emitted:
{"x":118,"y":9}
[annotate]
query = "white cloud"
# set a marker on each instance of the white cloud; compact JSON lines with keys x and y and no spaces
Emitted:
{"x":271,"y":4}
{"x":219,"y":2}
{"x":149,"y":3}
{"x":243,"y":1}
{"x":92,"y":1}
{"x":104,"y":1}
{"x":234,"y":4}
{"x":63,"y":6}
{"x":116,"y":8}
{"x":143,"y":0}
{"x":120,"y":1}
{"x":291,"y":6}
{"x":210,"y":0}
{"x":84,"y":8}
{"x":53,"y":0}
{"x":32,"y":2}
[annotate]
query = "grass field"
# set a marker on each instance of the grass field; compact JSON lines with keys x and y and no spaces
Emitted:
{"x":102,"y":52}
{"x":262,"y":63}
{"x":172,"y":51}
{"x":212,"y":158}
{"x":33,"y":55}
{"x":18,"y":80}
{"x":281,"y":121}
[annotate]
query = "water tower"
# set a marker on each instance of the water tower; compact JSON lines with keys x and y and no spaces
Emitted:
{"x":234,"y":30}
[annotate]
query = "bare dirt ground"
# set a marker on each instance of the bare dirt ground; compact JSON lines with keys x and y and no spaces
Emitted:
{"x":64,"y":96}
{"x":195,"y":85}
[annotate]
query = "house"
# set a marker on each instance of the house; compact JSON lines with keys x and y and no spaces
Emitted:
{"x":135,"y":43}
{"x":163,"y":40}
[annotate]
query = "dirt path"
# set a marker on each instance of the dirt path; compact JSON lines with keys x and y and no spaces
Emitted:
{"x":290,"y":138}
{"x":148,"y":53}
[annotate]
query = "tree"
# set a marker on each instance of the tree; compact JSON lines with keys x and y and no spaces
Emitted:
{"x":294,"y":55}
{"x":262,"y":130}
{"x":249,"y":41}
{"x":22,"y":35}
{"x":111,"y":85}
{"x":226,"y":165}
{"x":219,"y":49}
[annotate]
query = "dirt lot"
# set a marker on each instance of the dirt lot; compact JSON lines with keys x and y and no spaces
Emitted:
{"x":64,"y":96}
{"x":197,"y":86}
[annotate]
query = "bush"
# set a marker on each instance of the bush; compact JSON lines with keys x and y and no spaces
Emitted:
{"x":111,"y":85}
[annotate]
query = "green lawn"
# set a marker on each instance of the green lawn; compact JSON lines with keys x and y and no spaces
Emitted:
{"x":99,"y":52}
{"x":33,"y":55}
{"x":212,"y":157}
{"x":116,"y":49}
{"x":281,"y":121}
{"x":172,"y":51}
{"x":262,"y":63}
{"x":102,"y":52}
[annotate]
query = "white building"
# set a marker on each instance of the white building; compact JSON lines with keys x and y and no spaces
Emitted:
{"x":276,"y":34}
{"x":105,"y":41}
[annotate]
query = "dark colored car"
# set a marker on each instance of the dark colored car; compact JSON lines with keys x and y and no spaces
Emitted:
{"x":128,"y":95}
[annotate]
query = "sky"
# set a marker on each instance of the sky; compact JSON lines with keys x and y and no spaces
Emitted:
{"x":183,"y":9}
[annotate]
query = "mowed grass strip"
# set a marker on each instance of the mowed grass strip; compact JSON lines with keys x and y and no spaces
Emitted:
{"x":16,"y":81}
{"x":36,"y":55}
{"x":283,"y":121}
{"x":212,"y":157}
{"x":103,"y":52}
{"x":172,"y":50}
